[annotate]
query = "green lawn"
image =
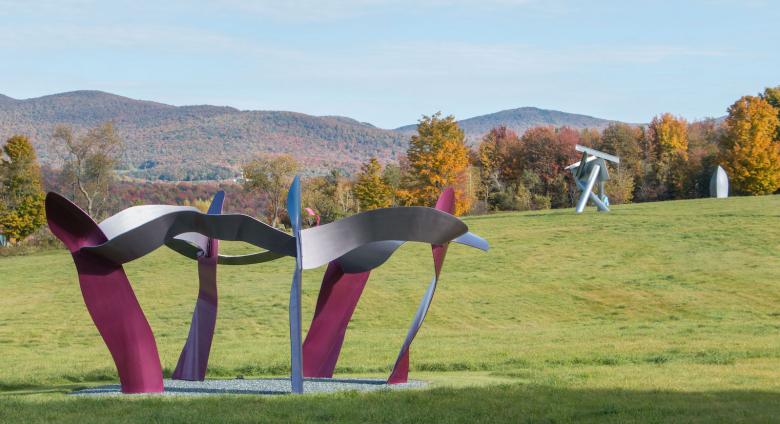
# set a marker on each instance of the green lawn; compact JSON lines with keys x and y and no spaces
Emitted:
{"x":677,"y":321}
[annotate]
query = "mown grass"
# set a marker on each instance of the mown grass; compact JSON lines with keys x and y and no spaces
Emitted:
{"x":654,"y":312}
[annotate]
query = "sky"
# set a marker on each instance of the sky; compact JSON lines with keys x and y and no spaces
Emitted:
{"x":389,"y":62}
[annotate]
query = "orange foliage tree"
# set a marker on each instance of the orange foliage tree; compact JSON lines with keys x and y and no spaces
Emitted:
{"x":438,"y":158}
{"x":749,"y":151}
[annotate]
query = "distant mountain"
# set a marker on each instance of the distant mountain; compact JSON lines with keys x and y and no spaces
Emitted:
{"x":211,"y":142}
{"x":520,"y":120}
{"x":199,"y":142}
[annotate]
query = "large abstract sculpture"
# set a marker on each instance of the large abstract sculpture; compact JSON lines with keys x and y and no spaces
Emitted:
{"x":590,"y":169}
{"x":351,"y":247}
{"x":719,"y":184}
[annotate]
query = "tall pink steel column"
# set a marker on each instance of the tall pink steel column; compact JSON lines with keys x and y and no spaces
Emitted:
{"x":337,"y":300}
{"x":109,"y":298}
{"x":194,"y":357}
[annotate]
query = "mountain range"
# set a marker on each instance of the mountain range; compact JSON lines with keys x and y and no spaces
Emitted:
{"x":211,"y":142}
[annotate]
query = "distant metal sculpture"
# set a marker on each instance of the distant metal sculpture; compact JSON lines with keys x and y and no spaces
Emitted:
{"x":590,"y":169}
{"x":719,"y":184}
{"x":351,"y":246}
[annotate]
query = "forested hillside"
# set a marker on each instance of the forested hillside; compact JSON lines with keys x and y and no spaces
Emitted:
{"x":197,"y":142}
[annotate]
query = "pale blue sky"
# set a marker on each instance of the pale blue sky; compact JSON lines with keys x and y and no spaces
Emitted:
{"x":388,"y":62}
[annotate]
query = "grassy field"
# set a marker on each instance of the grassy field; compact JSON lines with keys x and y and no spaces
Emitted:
{"x":677,"y":320}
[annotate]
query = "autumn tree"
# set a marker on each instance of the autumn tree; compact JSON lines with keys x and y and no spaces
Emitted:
{"x":21,"y":196}
{"x":331,"y":196}
{"x":370,"y":189}
{"x":89,"y":163}
{"x":750,"y":153}
{"x":703,"y":140}
{"x":271,"y":175}
{"x":668,"y":135}
{"x":772,"y":96}
{"x":498,"y":156}
{"x":438,"y":158}
{"x":546,"y":152}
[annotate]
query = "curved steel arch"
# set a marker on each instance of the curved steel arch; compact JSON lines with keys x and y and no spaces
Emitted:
{"x":343,"y":284}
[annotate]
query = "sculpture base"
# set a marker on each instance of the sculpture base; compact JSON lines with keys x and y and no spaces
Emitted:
{"x":259,"y":386}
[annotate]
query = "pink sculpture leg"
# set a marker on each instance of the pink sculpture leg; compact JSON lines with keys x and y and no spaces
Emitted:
{"x":400,"y":373}
{"x":339,"y":295}
{"x":194,"y":358}
{"x":109,"y":298}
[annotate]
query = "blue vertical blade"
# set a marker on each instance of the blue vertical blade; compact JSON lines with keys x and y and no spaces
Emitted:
{"x":296,"y":353}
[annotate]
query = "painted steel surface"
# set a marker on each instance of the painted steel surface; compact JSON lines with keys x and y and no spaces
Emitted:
{"x":400,"y":372}
{"x":161,"y":224}
{"x":194,"y":357}
{"x":331,"y":241}
{"x":296,"y":350}
{"x":351,"y":246}
{"x":109,"y":298}
{"x":339,"y":294}
{"x":341,"y":288}
{"x":588,"y":171}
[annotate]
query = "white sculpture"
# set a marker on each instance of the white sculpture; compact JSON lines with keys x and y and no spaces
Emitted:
{"x":719,"y":184}
{"x":591,"y":168}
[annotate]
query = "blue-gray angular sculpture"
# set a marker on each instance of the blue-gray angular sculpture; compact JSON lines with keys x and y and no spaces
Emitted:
{"x":590,"y":169}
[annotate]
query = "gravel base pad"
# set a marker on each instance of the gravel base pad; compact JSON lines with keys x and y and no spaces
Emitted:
{"x":260,"y":386}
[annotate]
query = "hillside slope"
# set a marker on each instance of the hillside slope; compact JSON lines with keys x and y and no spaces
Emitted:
{"x":520,"y":120}
{"x":211,"y":142}
{"x":198,"y":142}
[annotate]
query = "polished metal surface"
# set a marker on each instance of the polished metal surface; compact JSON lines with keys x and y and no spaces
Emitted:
{"x":331,"y":241}
{"x":719,"y":184}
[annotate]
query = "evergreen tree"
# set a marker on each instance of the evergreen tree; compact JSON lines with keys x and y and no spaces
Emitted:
{"x":21,"y":207}
{"x":371,"y":191}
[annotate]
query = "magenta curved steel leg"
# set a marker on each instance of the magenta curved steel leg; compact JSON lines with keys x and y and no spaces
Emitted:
{"x":338,"y":297}
{"x":109,"y":298}
{"x":400,"y":372}
{"x":194,"y":358}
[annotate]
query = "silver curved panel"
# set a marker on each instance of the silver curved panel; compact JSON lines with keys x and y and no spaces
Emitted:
{"x":372,"y":255}
{"x":329,"y":242}
{"x":472,"y":240}
{"x":142,"y":238}
{"x":133,"y":217}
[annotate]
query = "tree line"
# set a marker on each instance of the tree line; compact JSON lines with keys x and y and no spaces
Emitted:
{"x":669,"y":158}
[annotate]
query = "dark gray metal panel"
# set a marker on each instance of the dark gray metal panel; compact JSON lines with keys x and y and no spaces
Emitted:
{"x":329,"y":242}
{"x":254,"y":258}
{"x":160,"y":228}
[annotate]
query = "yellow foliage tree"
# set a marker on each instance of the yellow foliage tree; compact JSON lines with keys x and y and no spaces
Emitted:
{"x":749,"y":151}
{"x":669,"y":136}
{"x":438,"y":158}
{"x":21,"y":195}
{"x":370,"y":189}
